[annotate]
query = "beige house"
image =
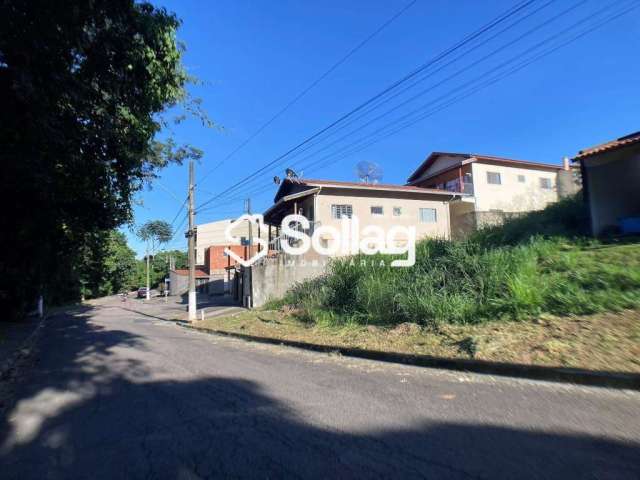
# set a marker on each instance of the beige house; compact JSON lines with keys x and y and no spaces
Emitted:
{"x":212,"y":234}
{"x":327,"y":203}
{"x":494,"y":188}
{"x":611,"y":178}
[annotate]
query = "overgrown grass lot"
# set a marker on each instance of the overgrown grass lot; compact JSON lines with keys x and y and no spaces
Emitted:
{"x":537,"y":289}
{"x":542,"y":262}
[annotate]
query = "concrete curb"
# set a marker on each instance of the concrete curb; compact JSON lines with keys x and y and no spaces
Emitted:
{"x":619,"y":380}
{"x":23,"y":351}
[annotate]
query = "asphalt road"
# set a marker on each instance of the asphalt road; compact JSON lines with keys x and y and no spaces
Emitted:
{"x":117,"y":394}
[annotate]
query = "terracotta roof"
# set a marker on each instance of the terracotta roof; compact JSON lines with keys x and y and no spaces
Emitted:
{"x":608,"y":146}
{"x":369,"y":186}
{"x":475,"y":157}
{"x":185,"y":271}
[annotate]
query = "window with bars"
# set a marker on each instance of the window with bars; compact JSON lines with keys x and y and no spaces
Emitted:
{"x":428,"y":215}
{"x":377,"y":210}
{"x":397,"y":211}
{"x":494,"y":178}
{"x":341,"y":211}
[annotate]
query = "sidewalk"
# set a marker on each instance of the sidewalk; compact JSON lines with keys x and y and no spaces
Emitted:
{"x":175,"y":308}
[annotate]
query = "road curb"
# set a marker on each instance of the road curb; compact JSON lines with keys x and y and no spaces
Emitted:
{"x":619,"y":380}
{"x":23,"y":351}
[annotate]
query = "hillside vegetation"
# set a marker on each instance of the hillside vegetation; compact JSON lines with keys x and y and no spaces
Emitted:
{"x":542,"y":262}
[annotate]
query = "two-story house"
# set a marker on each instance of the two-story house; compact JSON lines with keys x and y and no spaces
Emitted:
{"x":325,"y":202}
{"x":494,"y":188}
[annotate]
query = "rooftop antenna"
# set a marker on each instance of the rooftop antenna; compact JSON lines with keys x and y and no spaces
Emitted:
{"x":291,"y":173}
{"x":369,"y":172}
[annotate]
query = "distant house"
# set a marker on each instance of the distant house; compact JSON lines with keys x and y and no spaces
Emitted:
{"x":611,"y":179}
{"x":179,"y":281}
{"x":326,"y":202}
{"x":211,"y":258}
{"x":495,"y":188}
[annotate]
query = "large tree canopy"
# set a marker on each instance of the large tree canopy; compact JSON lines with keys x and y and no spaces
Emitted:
{"x":82,"y":89}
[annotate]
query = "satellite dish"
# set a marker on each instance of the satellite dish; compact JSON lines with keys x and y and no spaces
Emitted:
{"x":276,"y":180}
{"x":369,"y":172}
{"x":290,"y":172}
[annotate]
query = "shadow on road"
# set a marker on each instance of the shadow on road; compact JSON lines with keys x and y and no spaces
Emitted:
{"x":88,"y":413}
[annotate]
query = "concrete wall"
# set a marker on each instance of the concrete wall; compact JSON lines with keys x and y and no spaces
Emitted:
{"x":511,"y":195}
{"x":569,"y":182}
{"x":178,"y":284}
{"x":362,"y":202}
{"x":273,"y":277}
{"x":463,"y":220}
{"x":613,"y":187}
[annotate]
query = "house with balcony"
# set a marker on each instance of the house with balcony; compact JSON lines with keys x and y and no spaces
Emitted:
{"x":492,"y":188}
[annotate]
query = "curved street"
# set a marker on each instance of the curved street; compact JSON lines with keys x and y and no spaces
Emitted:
{"x":120,"y":393}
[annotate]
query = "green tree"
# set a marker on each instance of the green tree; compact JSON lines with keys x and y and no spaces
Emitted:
{"x":83,"y":89}
{"x":108,"y":265}
{"x":154,"y":233}
{"x":159,"y":266}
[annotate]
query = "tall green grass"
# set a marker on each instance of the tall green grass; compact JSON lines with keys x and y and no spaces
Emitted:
{"x":538,"y":263}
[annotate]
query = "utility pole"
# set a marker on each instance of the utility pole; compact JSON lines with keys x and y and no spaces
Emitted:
{"x":148,"y":293}
{"x":247,"y":204}
{"x":191,"y":234}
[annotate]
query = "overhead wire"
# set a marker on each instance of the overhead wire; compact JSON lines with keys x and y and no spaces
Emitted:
{"x":501,"y":18}
{"x":313,"y":84}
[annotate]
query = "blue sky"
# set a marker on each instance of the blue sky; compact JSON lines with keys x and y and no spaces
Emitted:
{"x":256,"y":56}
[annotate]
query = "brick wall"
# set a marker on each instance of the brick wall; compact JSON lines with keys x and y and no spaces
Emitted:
{"x":216,"y":260}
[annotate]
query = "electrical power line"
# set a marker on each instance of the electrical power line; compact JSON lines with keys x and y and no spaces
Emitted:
{"x":501,"y":18}
{"x":420,"y":79}
{"x":484,"y":84}
{"x":310,"y":87}
{"x":446,"y":79}
{"x":180,"y":210}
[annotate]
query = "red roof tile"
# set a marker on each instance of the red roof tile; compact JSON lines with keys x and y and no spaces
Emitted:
{"x":185,"y":271}
{"x":608,"y":146}
{"x":372,"y":186}
{"x":478,"y":158}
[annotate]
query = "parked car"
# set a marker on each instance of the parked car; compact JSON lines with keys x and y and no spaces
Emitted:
{"x":142,"y":292}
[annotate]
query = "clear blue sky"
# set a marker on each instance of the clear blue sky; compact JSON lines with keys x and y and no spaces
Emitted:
{"x":255,"y":56}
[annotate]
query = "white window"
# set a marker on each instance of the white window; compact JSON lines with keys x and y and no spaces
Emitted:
{"x":545,"y":183}
{"x":428,"y":215}
{"x":494,"y":178}
{"x":521,"y":179}
{"x":397,"y":211}
{"x":377,"y":211}
{"x":341,"y":211}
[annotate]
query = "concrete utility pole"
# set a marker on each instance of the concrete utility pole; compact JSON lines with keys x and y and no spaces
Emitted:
{"x":148,"y":293}
{"x":191,"y":234}
{"x":248,"y":208}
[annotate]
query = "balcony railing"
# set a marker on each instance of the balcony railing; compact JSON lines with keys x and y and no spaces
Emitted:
{"x":276,"y":243}
{"x":455,"y":186}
